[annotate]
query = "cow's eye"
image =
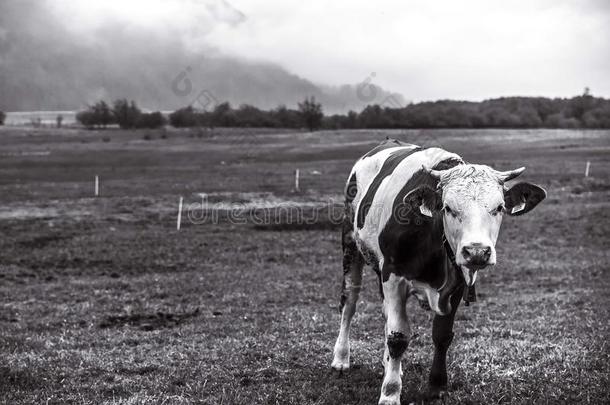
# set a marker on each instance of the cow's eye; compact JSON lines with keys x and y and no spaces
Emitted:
{"x":450,"y":211}
{"x":498,"y":210}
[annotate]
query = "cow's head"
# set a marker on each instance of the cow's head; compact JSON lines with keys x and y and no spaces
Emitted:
{"x":472,"y":200}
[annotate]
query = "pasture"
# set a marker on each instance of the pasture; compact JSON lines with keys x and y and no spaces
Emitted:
{"x":102,"y":300}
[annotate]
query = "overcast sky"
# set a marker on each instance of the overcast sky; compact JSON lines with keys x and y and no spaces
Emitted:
{"x":424,"y":49}
{"x":427,"y":49}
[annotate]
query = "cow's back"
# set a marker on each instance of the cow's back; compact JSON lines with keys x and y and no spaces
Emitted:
{"x":376,"y":181}
{"x":368,"y":167}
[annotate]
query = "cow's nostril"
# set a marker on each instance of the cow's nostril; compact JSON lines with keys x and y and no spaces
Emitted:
{"x":486,"y":252}
{"x":476,"y":254}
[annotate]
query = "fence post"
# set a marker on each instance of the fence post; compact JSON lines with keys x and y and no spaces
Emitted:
{"x":179,"y":220}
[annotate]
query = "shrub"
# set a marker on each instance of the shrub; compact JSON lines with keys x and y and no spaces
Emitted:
{"x":184,"y":118}
{"x":127,"y":115}
{"x":97,"y":115}
{"x":151,"y":120}
{"x":311,"y":113}
{"x":87,"y":118}
{"x":250,"y":116}
{"x":286,"y":118}
{"x":104,"y":113}
{"x":223,"y":116}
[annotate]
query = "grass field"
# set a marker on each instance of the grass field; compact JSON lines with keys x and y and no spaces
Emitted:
{"x":103,"y":301}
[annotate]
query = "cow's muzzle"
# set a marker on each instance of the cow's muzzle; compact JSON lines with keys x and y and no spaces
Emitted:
{"x":476,"y":256}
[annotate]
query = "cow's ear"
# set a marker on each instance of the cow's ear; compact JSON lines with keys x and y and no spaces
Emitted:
{"x":522,"y":198}
{"x":423,"y":200}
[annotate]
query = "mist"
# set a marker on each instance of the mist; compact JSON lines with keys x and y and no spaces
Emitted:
{"x":62,"y":55}
{"x":65,"y":54}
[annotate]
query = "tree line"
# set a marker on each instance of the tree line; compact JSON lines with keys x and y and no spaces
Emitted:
{"x":127,"y":115}
{"x":309,"y":115}
{"x":584,"y":111}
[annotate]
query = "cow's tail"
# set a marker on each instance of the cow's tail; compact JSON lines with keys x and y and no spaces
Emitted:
{"x":353,"y":261}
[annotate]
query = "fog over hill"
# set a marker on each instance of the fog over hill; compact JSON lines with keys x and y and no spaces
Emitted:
{"x":49,"y":61}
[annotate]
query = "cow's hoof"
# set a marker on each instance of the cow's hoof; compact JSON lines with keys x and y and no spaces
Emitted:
{"x":340,"y":364}
{"x":340,"y":357}
{"x":393,"y":400}
{"x":437,"y":391}
{"x":438,"y":381}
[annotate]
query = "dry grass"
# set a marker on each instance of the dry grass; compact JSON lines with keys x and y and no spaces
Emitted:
{"x":104,"y":302}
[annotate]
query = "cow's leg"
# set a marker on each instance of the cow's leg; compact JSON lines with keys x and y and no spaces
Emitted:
{"x":442,"y":335}
{"x":397,"y":334}
{"x":353,"y":262}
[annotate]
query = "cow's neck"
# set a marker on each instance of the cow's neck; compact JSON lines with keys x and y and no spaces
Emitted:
{"x":450,"y":254}
{"x":470,"y":294}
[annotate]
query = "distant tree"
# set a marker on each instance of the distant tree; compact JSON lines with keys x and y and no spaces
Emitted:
{"x":223,"y":116}
{"x":104,"y":113}
{"x":97,"y":115}
{"x":185,"y":118}
{"x":2,"y":117}
{"x":602,"y":114}
{"x":578,"y":106}
{"x":311,"y":113}
{"x":418,"y":116}
{"x":87,"y":118}
{"x":351,"y":121}
{"x":559,"y":120}
{"x":545,"y":107}
{"x":589,"y":120}
{"x":529,"y":117}
{"x":583,"y":111}
{"x":286,"y":118}
{"x":59,"y":119}
{"x":249,"y":116}
{"x":373,"y":116}
{"x":151,"y":120}
{"x":127,"y":114}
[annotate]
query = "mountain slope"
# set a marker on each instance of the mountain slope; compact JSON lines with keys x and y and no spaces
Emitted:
{"x":45,"y":65}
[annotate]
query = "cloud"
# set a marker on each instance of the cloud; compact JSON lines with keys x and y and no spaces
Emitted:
{"x":469,"y":49}
{"x":66,"y":53}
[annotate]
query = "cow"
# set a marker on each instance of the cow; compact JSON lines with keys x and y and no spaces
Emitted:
{"x":427,"y":222}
